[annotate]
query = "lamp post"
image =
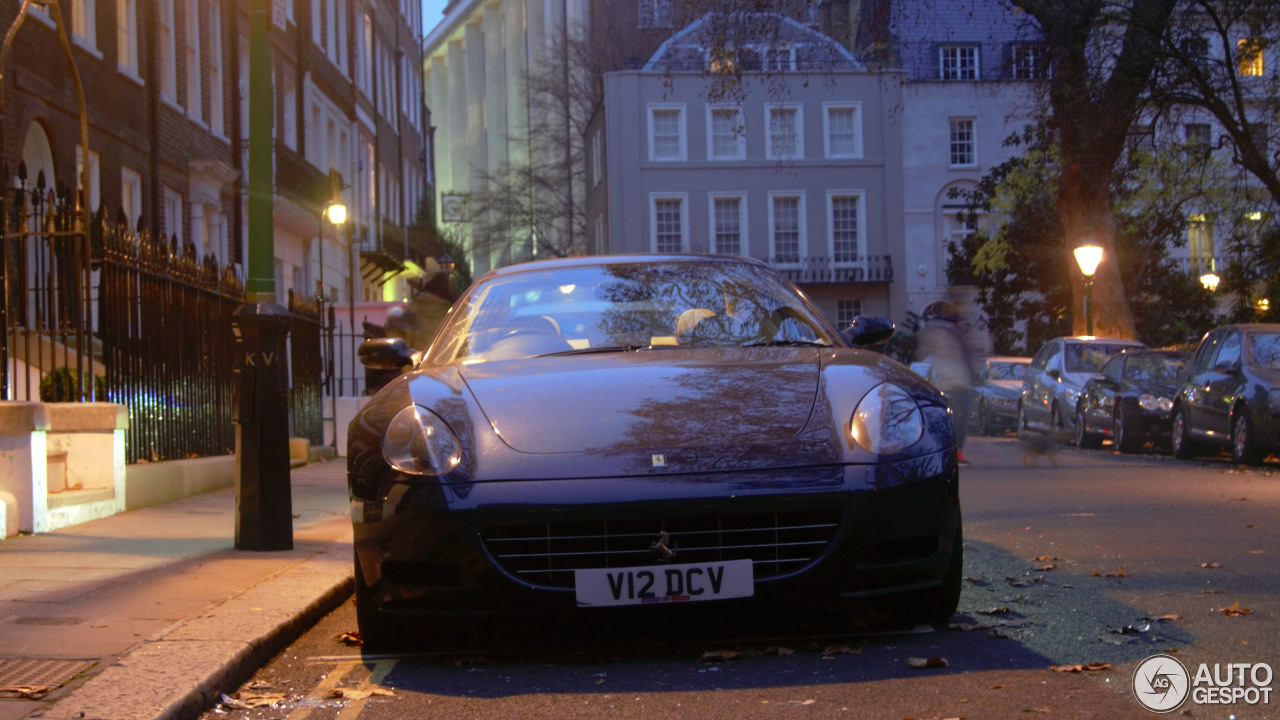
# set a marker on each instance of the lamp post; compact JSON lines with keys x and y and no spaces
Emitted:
{"x":1210,"y":281}
{"x":1088,"y":256}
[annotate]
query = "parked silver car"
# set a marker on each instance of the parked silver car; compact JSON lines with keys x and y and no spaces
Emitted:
{"x":995,"y":399}
{"x":1052,"y":383}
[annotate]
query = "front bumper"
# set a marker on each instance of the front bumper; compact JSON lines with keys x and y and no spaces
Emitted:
{"x":889,"y":530}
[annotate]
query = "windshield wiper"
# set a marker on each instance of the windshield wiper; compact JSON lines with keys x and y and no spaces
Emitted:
{"x":787,"y":343}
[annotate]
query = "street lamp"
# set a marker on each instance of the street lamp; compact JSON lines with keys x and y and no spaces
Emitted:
{"x":1088,"y":256}
{"x":1210,"y":281}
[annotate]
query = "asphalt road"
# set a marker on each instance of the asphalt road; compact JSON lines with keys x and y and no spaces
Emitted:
{"x":1101,"y":561}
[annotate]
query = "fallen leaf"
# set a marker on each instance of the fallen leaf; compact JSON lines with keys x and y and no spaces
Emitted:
{"x":1234,"y":610}
{"x":1108,"y":573}
{"x":1036,"y":710}
{"x":249,"y":701}
{"x":997,"y":633}
{"x":1255,"y":552}
{"x":840,"y":650}
{"x":978,"y":580}
{"x":995,"y":687}
{"x":26,"y":692}
{"x":1045,"y":558}
{"x":350,"y":639}
{"x":1213,"y":591}
{"x":924,"y":663}
{"x":1240,"y":499}
{"x":1210,"y":565}
{"x":1001,"y":610}
{"x":1169,"y":618}
{"x":721,"y":654}
{"x":1084,"y":667}
{"x":359,"y":693}
{"x":1050,"y":566}
{"x":779,"y":651}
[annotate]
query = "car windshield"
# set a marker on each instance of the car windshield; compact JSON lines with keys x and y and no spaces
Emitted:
{"x":1154,"y":367}
{"x":1264,"y":349}
{"x":1089,"y":357}
{"x":1006,"y":371}
{"x":657,"y":305}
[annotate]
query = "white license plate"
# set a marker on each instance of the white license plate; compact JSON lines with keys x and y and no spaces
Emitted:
{"x":664,"y":583}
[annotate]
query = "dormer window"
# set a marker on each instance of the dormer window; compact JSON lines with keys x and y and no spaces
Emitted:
{"x":958,"y":62}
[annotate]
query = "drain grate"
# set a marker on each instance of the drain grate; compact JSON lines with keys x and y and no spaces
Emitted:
{"x":33,"y":677}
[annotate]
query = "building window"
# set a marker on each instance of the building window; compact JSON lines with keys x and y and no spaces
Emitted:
{"x":1260,"y":133}
{"x":846,"y":311}
{"x":728,"y":140}
{"x":668,"y":222}
{"x":173,"y":216}
{"x":1251,"y":56}
{"x":786,"y":228}
{"x":728,"y":224}
{"x":216,"y":90}
{"x":83,"y":26}
{"x":963,"y":146}
{"x":957,"y":225}
{"x":785,"y":140}
{"x":1195,"y":47}
{"x":844,"y":223}
{"x":1027,"y":61}
{"x":191,"y":54}
{"x":168,"y":59}
{"x":1199,"y":137}
{"x":1200,"y":244}
{"x":127,"y":36}
{"x":779,"y":58}
{"x":958,"y":62}
{"x":666,"y":133}
{"x":843,"y":130}
{"x":654,"y":14}
{"x":131,"y":196}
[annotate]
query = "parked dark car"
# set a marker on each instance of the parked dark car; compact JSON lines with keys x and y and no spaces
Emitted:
{"x":1231,"y":394}
{"x":636,"y":430}
{"x":995,"y":398}
{"x":1131,"y":400}
{"x":1052,"y":382}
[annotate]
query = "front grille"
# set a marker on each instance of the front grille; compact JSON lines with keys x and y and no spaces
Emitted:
{"x":547,"y":554}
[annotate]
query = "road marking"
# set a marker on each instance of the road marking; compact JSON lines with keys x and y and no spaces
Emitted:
{"x":321,"y":691}
{"x":381,"y":669}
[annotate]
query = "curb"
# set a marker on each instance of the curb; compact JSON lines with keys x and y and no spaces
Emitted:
{"x":181,"y":673}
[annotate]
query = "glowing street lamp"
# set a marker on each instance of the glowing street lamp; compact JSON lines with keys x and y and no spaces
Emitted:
{"x":1088,"y":257}
{"x":1209,"y":281}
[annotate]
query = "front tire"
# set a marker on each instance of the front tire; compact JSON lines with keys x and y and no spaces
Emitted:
{"x":376,"y":633}
{"x":1182,"y":445}
{"x":1244,"y":449}
{"x":1057,"y":428}
{"x":1124,"y":440}
{"x":1084,"y":438}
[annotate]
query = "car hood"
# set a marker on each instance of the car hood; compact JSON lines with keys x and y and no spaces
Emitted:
{"x":1164,"y":388}
{"x":648,"y":400}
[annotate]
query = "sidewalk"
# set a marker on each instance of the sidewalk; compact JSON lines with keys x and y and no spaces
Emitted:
{"x":152,"y":613}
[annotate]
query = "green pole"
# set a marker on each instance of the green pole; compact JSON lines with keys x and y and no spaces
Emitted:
{"x":261,"y":261}
{"x":1088,"y":306}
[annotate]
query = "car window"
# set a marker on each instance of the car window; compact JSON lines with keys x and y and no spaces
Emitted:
{"x":1154,"y":367}
{"x":1204,"y":353}
{"x":1114,"y":368}
{"x":1054,"y":360}
{"x":1264,"y":350}
{"x":1090,"y":357}
{"x":626,"y":305}
{"x":1041,"y":360}
{"x":1006,"y":371}
{"x":1228,"y":349}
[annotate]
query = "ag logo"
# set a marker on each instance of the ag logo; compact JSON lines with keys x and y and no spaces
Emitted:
{"x":1161,"y":683}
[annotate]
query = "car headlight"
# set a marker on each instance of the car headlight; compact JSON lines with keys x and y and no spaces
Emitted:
{"x":1154,"y":403}
{"x":887,"y":420}
{"x":1073,"y":396}
{"x":419,"y":442}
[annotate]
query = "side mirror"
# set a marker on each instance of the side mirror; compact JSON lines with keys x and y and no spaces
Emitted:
{"x":868,"y":330}
{"x":1055,"y":375}
{"x":385,"y":353}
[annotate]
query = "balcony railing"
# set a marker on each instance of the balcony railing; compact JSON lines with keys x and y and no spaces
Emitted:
{"x":861,"y":269}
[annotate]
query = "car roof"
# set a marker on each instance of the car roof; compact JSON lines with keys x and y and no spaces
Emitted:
{"x":600,"y":260}
{"x":1093,"y":340}
{"x":1006,"y":359}
{"x":1254,"y":327}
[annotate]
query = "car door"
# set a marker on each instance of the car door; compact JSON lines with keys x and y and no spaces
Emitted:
{"x":1038,"y":385}
{"x":1221,"y":383}
{"x":1191,"y":395}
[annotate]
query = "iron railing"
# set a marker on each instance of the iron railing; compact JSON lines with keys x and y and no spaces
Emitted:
{"x":306,"y":367}
{"x":853,"y":269}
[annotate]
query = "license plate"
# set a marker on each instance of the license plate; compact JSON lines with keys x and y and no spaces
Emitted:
{"x":692,"y":582}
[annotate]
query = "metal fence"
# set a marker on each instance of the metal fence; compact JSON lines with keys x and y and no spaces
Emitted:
{"x":93,"y":311}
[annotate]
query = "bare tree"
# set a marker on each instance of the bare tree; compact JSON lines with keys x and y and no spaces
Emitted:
{"x":1102,"y":56}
